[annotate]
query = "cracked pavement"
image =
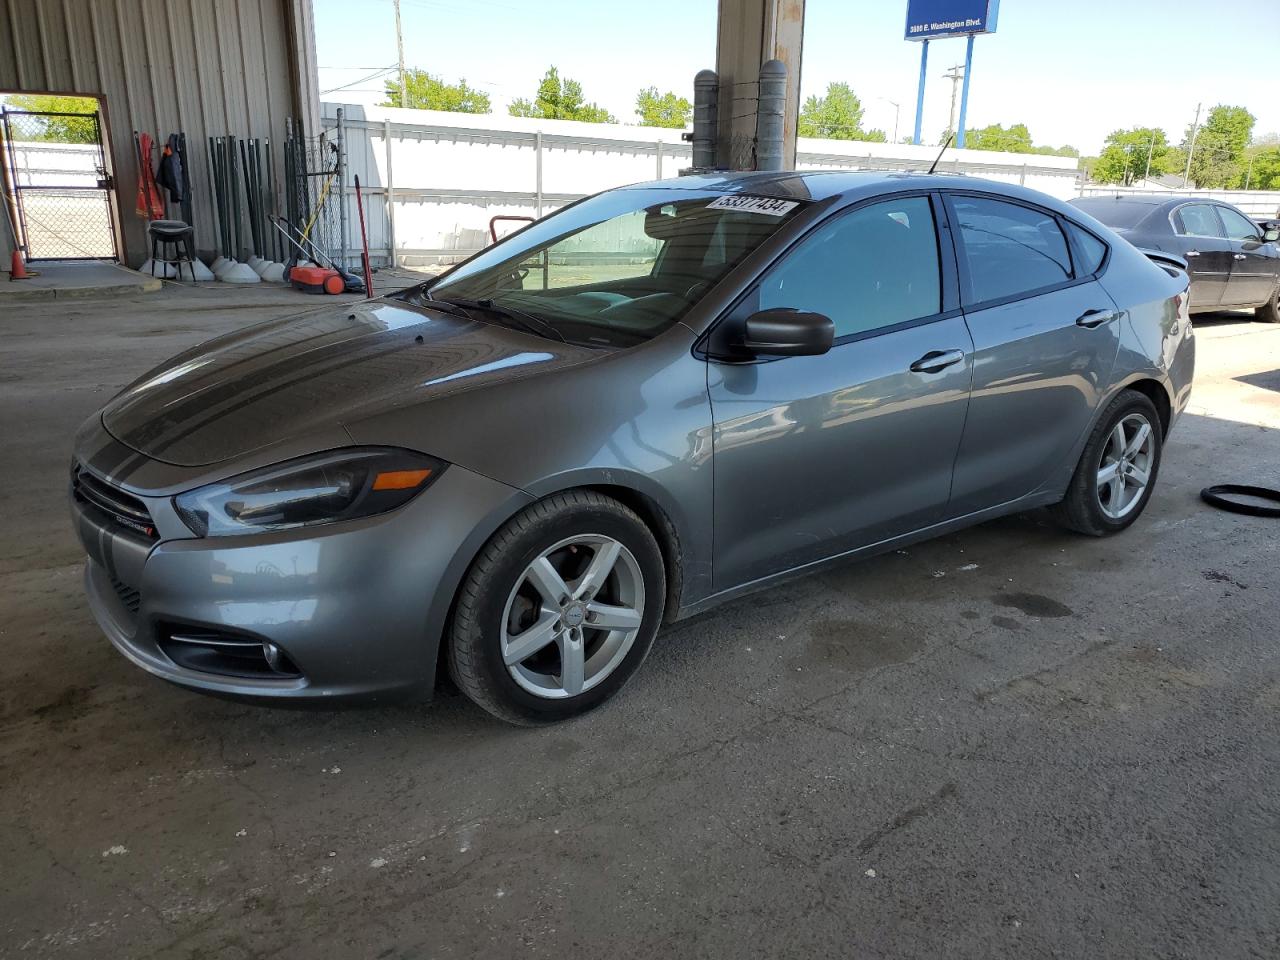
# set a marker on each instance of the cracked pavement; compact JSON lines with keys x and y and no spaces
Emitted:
{"x":1009,"y":742}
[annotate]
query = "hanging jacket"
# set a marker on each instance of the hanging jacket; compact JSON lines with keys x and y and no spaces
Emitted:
{"x":171,"y":176}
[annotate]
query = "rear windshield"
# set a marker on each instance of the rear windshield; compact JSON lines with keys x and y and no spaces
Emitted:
{"x":615,"y":269}
{"x":1113,"y":212}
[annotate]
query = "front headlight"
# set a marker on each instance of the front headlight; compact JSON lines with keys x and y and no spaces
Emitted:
{"x":339,"y":485}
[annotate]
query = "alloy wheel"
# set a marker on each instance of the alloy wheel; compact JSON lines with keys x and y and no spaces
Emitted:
{"x":572,"y":616}
{"x":1124,"y":472}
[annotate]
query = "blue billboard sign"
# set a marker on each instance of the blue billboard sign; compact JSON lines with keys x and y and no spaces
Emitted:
{"x":931,"y":19}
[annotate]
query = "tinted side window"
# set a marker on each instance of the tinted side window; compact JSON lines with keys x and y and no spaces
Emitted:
{"x":1238,"y":228}
{"x":1009,"y":249}
{"x":1198,"y":220}
{"x":868,"y":269}
{"x":1092,"y":250}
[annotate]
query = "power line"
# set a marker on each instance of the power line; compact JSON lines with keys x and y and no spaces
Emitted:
{"x":353,"y":83}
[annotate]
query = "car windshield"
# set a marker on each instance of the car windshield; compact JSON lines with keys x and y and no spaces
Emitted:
{"x":1115,"y":213}
{"x":615,"y":269}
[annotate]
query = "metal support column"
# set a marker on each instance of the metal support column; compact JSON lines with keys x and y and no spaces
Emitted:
{"x":924,"y":63}
{"x":750,"y":33}
{"x":391,"y":196}
{"x":537,"y":181}
{"x":964,"y":91}
{"x":342,"y":189}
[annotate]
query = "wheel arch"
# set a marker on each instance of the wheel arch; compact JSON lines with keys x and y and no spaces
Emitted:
{"x":1155,"y":391}
{"x":657,"y":516}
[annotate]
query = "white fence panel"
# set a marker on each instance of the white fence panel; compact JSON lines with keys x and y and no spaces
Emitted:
{"x":433,"y":181}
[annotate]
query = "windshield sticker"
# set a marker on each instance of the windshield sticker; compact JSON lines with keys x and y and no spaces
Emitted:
{"x":769,"y":206}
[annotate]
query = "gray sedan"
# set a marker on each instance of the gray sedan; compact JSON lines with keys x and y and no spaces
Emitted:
{"x":654,"y":400}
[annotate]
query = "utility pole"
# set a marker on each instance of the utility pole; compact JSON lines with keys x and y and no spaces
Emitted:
{"x":955,"y":75}
{"x":1191,"y":149}
{"x":1249,"y":174}
{"x":1151,"y":148}
{"x":404,"y":94}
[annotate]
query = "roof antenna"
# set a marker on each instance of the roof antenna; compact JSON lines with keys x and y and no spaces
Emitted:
{"x":934,"y":165}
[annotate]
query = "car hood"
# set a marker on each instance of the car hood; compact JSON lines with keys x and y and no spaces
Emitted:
{"x":311,"y":373}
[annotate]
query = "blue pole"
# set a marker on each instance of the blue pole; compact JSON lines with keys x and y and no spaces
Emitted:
{"x":924,"y":62}
{"x":964,"y":90}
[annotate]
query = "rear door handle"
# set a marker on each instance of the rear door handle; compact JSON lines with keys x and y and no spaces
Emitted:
{"x":1193,"y":253}
{"x":936,"y":360}
{"x":1094,"y":318}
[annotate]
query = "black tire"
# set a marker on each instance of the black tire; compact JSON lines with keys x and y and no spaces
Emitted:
{"x":1269,"y":312}
{"x":475,"y":636}
{"x":1081,"y":509}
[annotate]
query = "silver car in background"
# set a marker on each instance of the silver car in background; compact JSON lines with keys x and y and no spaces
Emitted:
{"x":654,"y":400}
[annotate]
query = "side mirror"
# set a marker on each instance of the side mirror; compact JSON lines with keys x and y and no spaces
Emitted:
{"x":1271,"y":231}
{"x":783,"y":332}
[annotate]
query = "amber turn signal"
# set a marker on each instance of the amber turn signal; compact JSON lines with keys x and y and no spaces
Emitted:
{"x":400,"y":479}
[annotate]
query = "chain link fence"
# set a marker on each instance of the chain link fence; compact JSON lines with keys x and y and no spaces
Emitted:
{"x":60,"y":185}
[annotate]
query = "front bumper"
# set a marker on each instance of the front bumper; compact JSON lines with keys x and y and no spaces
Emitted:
{"x":357,"y":608}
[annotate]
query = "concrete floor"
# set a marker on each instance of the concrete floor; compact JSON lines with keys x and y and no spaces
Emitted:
{"x":1013,"y":742}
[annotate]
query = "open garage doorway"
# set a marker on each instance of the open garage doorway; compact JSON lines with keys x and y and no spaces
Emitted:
{"x":58,"y":185}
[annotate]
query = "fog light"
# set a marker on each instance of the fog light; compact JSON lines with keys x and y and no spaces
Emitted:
{"x":275,"y":659}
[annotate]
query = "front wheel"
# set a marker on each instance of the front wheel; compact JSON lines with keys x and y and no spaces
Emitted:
{"x":559,"y":609}
{"x":1117,"y":470}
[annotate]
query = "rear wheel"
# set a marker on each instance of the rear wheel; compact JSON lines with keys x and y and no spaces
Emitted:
{"x":1269,"y":312}
{"x":1117,"y":470}
{"x":559,"y":609}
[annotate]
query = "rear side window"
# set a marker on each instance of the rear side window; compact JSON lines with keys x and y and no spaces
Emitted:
{"x":1238,"y":227}
{"x":1092,"y":250}
{"x":1197,"y":220}
{"x":1008,"y":249}
{"x":872,"y":268}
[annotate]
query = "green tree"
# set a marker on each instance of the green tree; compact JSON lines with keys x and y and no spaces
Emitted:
{"x":1014,"y":139}
{"x":662,"y":110}
{"x":1124,"y":157}
{"x":836,"y":116}
{"x":1262,"y":167}
{"x":426,"y":92}
{"x":1219,"y":147}
{"x":560,"y":100}
{"x":55,"y":129}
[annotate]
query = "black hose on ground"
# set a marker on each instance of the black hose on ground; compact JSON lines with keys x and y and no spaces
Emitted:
{"x":1220,"y":496}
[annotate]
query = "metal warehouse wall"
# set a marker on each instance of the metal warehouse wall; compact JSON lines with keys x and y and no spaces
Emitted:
{"x":203,"y":67}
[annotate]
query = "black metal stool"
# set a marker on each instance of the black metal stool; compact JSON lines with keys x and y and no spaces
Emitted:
{"x":174,"y":234}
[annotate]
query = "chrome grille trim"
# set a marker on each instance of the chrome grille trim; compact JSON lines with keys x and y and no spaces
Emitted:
{"x":123,"y":507}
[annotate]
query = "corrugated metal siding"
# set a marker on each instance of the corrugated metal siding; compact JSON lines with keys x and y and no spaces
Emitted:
{"x":206,"y":68}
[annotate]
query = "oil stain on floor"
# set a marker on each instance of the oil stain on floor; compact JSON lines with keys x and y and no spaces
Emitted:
{"x":855,"y":647}
{"x":1033,"y":604}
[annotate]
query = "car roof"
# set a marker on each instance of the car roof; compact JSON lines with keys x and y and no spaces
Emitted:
{"x":1156,"y":200}
{"x":847,"y":184}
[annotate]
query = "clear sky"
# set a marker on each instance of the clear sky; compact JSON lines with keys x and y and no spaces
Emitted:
{"x":1072,"y":72}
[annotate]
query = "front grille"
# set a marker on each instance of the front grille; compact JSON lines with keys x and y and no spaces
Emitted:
{"x":120,"y":506}
{"x":129,"y":598}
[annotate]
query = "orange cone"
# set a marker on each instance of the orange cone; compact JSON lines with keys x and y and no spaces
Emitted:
{"x":18,"y":269}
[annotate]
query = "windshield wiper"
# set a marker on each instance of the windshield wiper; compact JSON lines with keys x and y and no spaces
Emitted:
{"x":525,"y":321}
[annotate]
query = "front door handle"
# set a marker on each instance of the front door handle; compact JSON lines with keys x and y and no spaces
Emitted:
{"x":1094,"y":318}
{"x":1239,"y":256}
{"x":936,"y":360}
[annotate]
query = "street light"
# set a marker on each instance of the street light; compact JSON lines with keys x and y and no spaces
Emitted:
{"x":897,"y":110}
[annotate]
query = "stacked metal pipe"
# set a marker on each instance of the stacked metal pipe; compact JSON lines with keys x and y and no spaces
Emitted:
{"x":242,"y":178}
